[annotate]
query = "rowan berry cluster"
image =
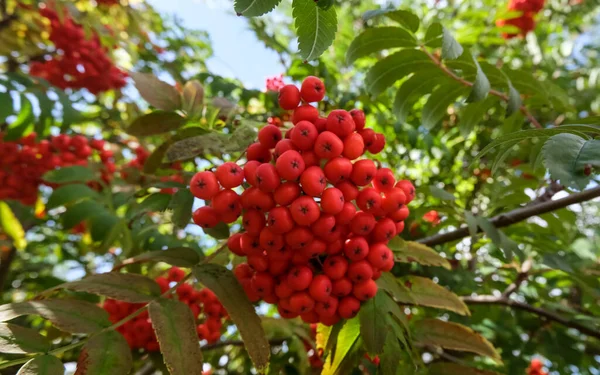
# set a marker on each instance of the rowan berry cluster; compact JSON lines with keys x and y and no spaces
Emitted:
{"x":206,"y":308}
{"x":536,"y":368}
{"x":131,"y":172}
{"x":316,"y":220}
{"x":23,"y":162}
{"x":78,"y":62}
{"x":525,"y":22}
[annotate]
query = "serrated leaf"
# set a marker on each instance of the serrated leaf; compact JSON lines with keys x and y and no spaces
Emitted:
{"x":12,"y":226}
{"x":450,"y":368}
{"x":68,"y":194}
{"x":396,"y":289}
{"x":489,"y":229}
{"x":436,"y":107}
{"x":219,"y":231}
{"x":157,"y":93}
{"x":231,"y":294}
{"x":15,"y":339}
{"x":254,"y":8}
{"x":425,"y":292}
{"x":315,"y":28}
{"x":175,"y":329}
{"x":106,"y":228}
{"x":126,"y":287}
{"x":157,"y":122}
{"x":566,"y":156}
{"x":181,"y":203}
{"x":42,"y":365}
{"x":408,"y":251}
{"x":75,"y":173}
{"x":210,"y":143}
{"x":345,"y":347}
{"x":192,"y":98}
{"x":407,"y":19}
{"x":471,"y":223}
{"x":390,"y":358}
{"x":327,"y":337}
{"x":105,"y":354}
{"x":178,"y":256}
{"x":441,"y":193}
{"x":481,"y":85}
{"x":154,"y":161}
{"x":71,"y":316}
{"x":453,"y":336}
{"x":514,"y":100}
{"x":394,"y":67}
{"x":451,"y":49}
{"x":434,"y":35}
{"x":373,"y":324}
{"x":378,"y":39}
{"x":156,"y":202}
{"x":419,"y":84}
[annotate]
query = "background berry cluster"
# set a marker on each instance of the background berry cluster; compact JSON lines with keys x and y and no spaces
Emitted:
{"x":316,"y":219}
{"x":525,"y":22}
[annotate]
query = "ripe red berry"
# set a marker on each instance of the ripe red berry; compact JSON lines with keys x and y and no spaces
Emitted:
{"x":323,"y":226}
{"x":263,"y":283}
{"x":289,"y":97}
{"x":206,"y":217}
{"x":399,"y":215}
{"x":408,"y":188}
{"x":305,"y":112}
{"x":300,"y":277}
{"x":399,"y":227}
{"x":286,"y":193}
{"x":310,"y":317}
{"x":335,"y":267}
{"x":250,"y":244}
{"x":313,"y":181}
{"x":356,"y":248}
{"x":267,"y":178}
{"x":204,"y":185}
{"x":270,"y":240}
{"x":312,"y":89}
{"x":298,"y":238}
{"x":258,"y":152}
{"x":301,"y":302}
{"x":360,"y":271}
{"x":345,"y":216}
{"x":253,"y":198}
{"x":393,"y":200}
{"x":320,"y":124}
{"x":269,"y":136}
{"x":230,"y":175}
{"x":359,"y":118}
{"x":365,"y":290}
{"x":378,"y":144}
{"x":282,"y":288}
{"x":242,"y":270}
{"x":280,"y":220}
{"x":226,"y":202}
{"x":341,"y":287}
{"x":332,"y":201}
{"x":363,"y":172}
{"x":338,"y":169}
{"x":290,"y":165}
{"x":314,"y":248}
{"x":368,"y":136}
{"x":234,"y":244}
{"x":379,"y":255}
{"x":362,"y":223}
{"x":310,"y":158}
{"x":304,"y":135}
{"x":328,"y":145}
{"x":175,"y":274}
{"x":354,"y":146}
{"x":384,"y":180}
{"x":283,"y":146}
{"x":384,"y":230}
{"x":305,"y":210}
{"x":320,"y":288}
{"x":368,"y":200}
{"x":327,"y":308}
{"x":250,"y":171}
{"x":348,"y":307}
{"x":349,"y":190}
{"x":253,"y":222}
{"x":340,"y":123}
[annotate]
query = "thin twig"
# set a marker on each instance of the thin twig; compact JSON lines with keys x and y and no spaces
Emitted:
{"x":464,"y":82}
{"x":221,"y":344}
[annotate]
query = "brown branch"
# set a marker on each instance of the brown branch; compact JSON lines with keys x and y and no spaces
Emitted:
{"x":551,"y":316}
{"x":516,"y":216}
{"x":466,"y":83}
{"x":221,"y":344}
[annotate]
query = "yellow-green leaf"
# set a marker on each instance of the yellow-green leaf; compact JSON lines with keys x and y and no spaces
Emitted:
{"x":11,"y":226}
{"x":127,"y":287}
{"x":424,"y":292}
{"x":105,"y":354}
{"x":15,"y":339}
{"x":42,"y":365}
{"x":408,"y":251}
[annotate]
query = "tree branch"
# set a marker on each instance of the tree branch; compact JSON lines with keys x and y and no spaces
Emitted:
{"x":464,"y":82}
{"x":516,"y":216}
{"x":551,"y":316}
{"x":221,"y":344}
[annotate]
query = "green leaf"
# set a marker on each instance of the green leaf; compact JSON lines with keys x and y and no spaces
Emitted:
{"x":372,"y":324}
{"x":105,"y":228}
{"x":12,"y":226}
{"x":315,"y":28}
{"x":157,"y":202}
{"x":192,"y":97}
{"x":472,"y":114}
{"x":434,"y":35}
{"x":210,"y":143}
{"x":407,"y":19}
{"x":157,"y":93}
{"x":15,"y":339}
{"x":408,"y":251}
{"x":378,"y":39}
{"x":175,"y":329}
{"x":23,"y":123}
{"x":155,"y":159}
{"x":436,"y":107}
{"x":181,"y":203}
{"x":514,"y":100}
{"x":254,"y":8}
{"x":489,"y":229}
{"x":394,"y":67}
{"x":453,"y":336}
{"x":126,"y":287}
{"x":6,"y":106}
{"x":42,"y":365}
{"x":231,"y":294}
{"x":105,"y":354}
{"x":471,"y":223}
{"x":65,"y":175}
{"x":450,"y":368}
{"x":481,"y":85}
{"x":425,"y":292}
{"x":177,"y":256}
{"x":390,"y":358}
{"x":419,"y":84}
{"x":157,"y":122}
{"x":219,"y":231}
{"x":441,"y":193}
{"x":566,"y":156}
{"x":71,"y":316}
{"x":451,"y":49}
{"x":397,"y":290}
{"x":68,"y":194}
{"x":345,"y":348}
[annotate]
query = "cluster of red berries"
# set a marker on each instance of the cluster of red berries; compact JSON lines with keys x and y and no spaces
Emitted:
{"x":316,"y":220}
{"x":23,"y":162}
{"x":78,"y":62}
{"x":525,"y":22}
{"x":536,"y":368}
{"x":275,"y":83}
{"x":137,"y":165}
{"x":206,"y":308}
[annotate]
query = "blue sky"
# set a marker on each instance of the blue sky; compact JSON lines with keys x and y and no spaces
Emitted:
{"x":237,"y":52}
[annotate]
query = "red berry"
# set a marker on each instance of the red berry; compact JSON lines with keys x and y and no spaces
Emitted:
{"x":327,"y":308}
{"x":363,"y":172}
{"x":365,"y":290}
{"x":348,"y":307}
{"x":359,"y":118}
{"x":384,"y":180}
{"x":267,"y":178}
{"x":346,"y":214}
{"x":332,"y":201}
{"x":323,"y":226}
{"x":250,"y":244}
{"x":206,"y":217}
{"x":250,"y":171}
{"x":354,"y":146}
{"x":368,"y":136}
{"x":253,"y":198}
{"x":298,"y":237}
{"x":305,"y":210}
{"x":368,"y":200}
{"x":286,"y":193}
{"x":305,"y":112}
{"x":328,"y":145}
{"x":310,"y":317}
{"x":362,"y":223}
{"x":289,"y":97}
{"x":338,"y":169}
{"x":320,"y":124}
{"x":176,"y":274}
{"x":310,"y":158}
{"x":393,"y":200}
{"x":280,"y":220}
{"x":282,"y":288}
{"x":341,"y":287}
{"x":320,"y":288}
{"x":349,"y":190}
{"x":399,"y":227}
{"x":304,"y":135}
{"x":270,"y":240}
{"x":227,"y":202}
{"x":230,"y":175}
{"x":283,"y":146}
{"x":263,"y":283}
{"x":243,"y":271}
{"x":253,"y":222}
{"x":312,"y":89}
{"x":313,"y":181}
{"x":379,"y":255}
{"x":378,"y":144}
{"x":400,"y":215}
{"x":300,"y":277}
{"x":234,"y":244}
{"x":335,"y":267}
{"x":204,"y":185}
{"x":290,"y":165}
{"x":315,"y":247}
{"x":340,"y":123}
{"x":384,"y":230}
{"x":360,"y":271}
{"x":408,"y":188}
{"x":301,"y":303}
{"x":258,"y":152}
{"x":356,"y":248}
{"x":269,"y":136}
